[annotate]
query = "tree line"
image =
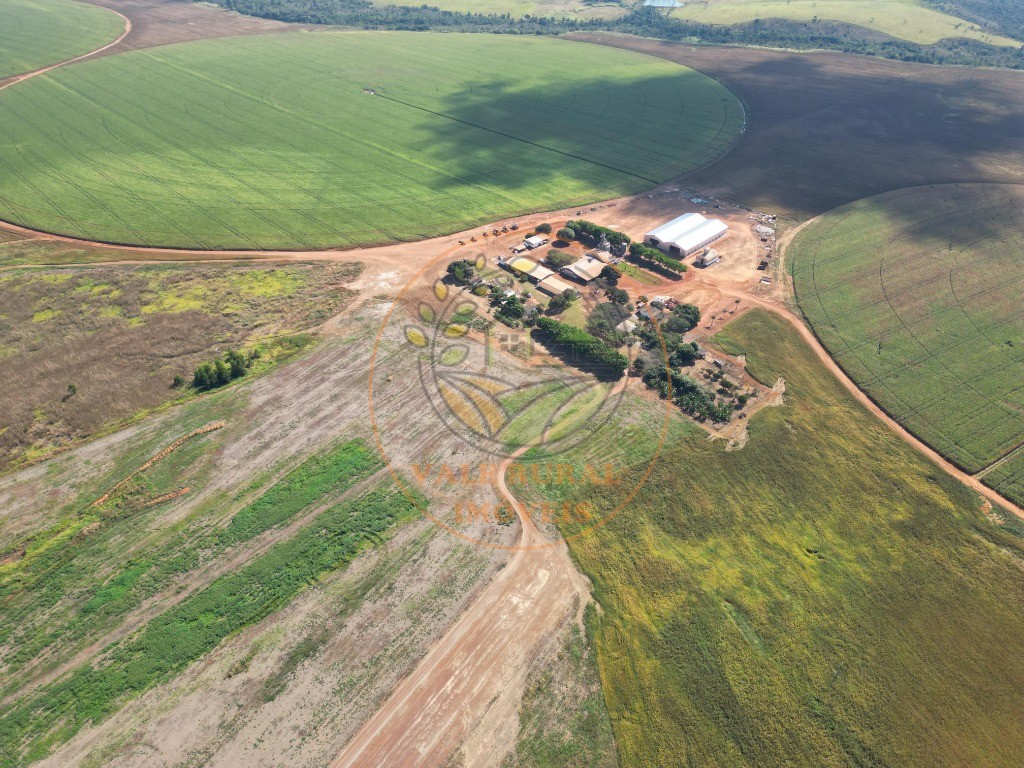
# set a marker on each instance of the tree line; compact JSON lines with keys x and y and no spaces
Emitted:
{"x":647,"y":21}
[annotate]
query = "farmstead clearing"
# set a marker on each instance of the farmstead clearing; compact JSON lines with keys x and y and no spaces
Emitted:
{"x":248,"y":578}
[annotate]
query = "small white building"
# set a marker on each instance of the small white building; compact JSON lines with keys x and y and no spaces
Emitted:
{"x":685,"y":234}
{"x":706,"y":259}
{"x":535,"y":241}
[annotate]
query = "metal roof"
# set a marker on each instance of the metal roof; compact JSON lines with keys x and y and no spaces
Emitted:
{"x":554,"y":285}
{"x":587,"y":269}
{"x":691,"y":230}
{"x":530,"y":268}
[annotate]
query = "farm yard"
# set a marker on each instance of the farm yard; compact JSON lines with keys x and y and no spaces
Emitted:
{"x":37,"y":33}
{"x":917,"y":294}
{"x":906,"y":19}
{"x":413,"y":135}
{"x":204,"y":570}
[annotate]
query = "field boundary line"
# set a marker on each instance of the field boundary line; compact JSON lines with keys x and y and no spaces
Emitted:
{"x":43,"y":70}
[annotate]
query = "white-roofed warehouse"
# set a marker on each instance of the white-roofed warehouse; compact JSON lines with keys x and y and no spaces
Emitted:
{"x":685,"y":234}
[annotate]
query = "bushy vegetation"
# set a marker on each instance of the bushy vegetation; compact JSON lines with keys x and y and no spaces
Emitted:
{"x":196,"y":626}
{"x":602,"y":320}
{"x":581,"y":348}
{"x":822,"y":597}
{"x":387,"y":95}
{"x":216,"y":373}
{"x":687,"y":393}
{"x":655,"y":260}
{"x":462,"y":271}
{"x":561,"y":302}
{"x":508,"y":307}
{"x":558,"y":259}
{"x":682,"y":318}
{"x":74,"y":573}
{"x":591,"y":232}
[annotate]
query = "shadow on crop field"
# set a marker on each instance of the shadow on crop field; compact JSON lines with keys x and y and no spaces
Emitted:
{"x":825,"y":129}
{"x":594,"y":131}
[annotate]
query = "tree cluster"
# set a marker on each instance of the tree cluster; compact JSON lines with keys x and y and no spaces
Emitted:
{"x":581,"y":348}
{"x":688,"y":394}
{"x":217,"y":373}
{"x":561,"y":302}
{"x":603,"y":319}
{"x":589,"y":231}
{"x":654,"y":260}
{"x":509,"y":309}
{"x":462,"y":271}
{"x":558,"y":259}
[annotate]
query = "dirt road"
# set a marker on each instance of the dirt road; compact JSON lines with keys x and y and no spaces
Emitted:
{"x":808,"y":336}
{"x":471,"y":681}
{"x":19,"y":78}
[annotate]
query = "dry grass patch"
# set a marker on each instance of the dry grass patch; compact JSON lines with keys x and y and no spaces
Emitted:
{"x":90,"y":347}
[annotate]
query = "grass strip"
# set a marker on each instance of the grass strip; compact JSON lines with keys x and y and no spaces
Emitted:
{"x":185,"y":633}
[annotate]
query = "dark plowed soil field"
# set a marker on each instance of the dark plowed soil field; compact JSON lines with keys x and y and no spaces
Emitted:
{"x":825,"y":129}
{"x":158,"y":22}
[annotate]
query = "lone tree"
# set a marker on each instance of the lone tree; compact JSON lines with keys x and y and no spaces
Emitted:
{"x":566,"y":233}
{"x":684,"y":318}
{"x":544,"y":229}
{"x":611,"y":274}
{"x":617,"y":296}
{"x":462,"y":271}
{"x":559,"y":259}
{"x":561,"y":302}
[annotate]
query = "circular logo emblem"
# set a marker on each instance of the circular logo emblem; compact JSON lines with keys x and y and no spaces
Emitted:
{"x":484,"y":418}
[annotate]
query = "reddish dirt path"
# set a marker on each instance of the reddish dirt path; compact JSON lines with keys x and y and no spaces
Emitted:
{"x":483,"y":656}
{"x":25,"y":76}
{"x":812,"y":341}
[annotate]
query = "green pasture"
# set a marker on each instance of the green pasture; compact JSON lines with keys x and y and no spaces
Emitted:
{"x":905,"y":19}
{"x":309,"y":140}
{"x":823,"y":596}
{"x":917,"y":294}
{"x":36,"y":33}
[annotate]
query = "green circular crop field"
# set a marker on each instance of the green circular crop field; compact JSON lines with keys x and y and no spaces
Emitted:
{"x":37,"y":33}
{"x":310,"y":140}
{"x":918,"y":294}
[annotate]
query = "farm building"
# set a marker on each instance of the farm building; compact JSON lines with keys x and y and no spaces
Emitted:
{"x":523,"y":266}
{"x":584,"y":270}
{"x":685,"y":234}
{"x":706,"y":259}
{"x":554,"y":286}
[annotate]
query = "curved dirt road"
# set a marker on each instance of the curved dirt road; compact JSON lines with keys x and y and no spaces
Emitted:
{"x":472,"y":678}
{"x":819,"y":350}
{"x":43,"y":70}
